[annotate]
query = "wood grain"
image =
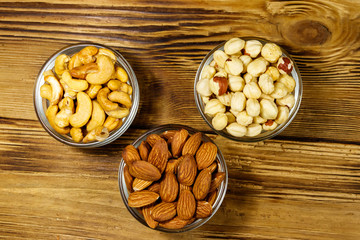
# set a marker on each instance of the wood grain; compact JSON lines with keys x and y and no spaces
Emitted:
{"x":304,"y":184}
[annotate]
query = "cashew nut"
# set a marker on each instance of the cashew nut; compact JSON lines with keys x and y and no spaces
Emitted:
{"x":83,"y":110}
{"x":56,"y":89}
{"x":83,"y":70}
{"x":75,"y":84}
{"x":121,"y":74}
{"x":112,"y":123}
{"x":74,"y":61}
{"x":118,"y":113}
{"x":107,"y":52}
{"x":60,"y":64}
{"x":48,"y":72}
{"x":115,"y":85}
{"x":68,"y":91}
{"x":66,"y":106}
{"x":120,"y":97}
{"x":76,"y":134}
{"x":50,"y":115}
{"x":45,"y":91}
{"x":105,"y":103}
{"x":93,"y":90}
{"x":97,"y":117}
{"x":86,"y":55}
{"x":99,"y":134}
{"x":106,"y":69}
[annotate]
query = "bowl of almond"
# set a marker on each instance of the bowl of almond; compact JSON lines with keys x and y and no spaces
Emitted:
{"x":172,"y":178}
{"x":248,"y":89}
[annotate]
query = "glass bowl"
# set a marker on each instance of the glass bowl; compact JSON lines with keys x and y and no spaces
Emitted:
{"x":221,"y":190}
{"x":295,"y":73}
{"x":41,"y":104}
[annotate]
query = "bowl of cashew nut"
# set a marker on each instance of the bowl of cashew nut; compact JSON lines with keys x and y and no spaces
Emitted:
{"x":248,"y":89}
{"x":86,"y":95}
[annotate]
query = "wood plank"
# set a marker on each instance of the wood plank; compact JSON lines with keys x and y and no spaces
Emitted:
{"x":277,"y":189}
{"x":165,"y":53}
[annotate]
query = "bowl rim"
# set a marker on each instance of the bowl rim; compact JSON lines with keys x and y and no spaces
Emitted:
{"x":272,"y":133}
{"x":220,"y":195}
{"x":115,"y":134}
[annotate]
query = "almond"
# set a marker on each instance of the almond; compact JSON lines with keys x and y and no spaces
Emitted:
{"x":187,"y":171}
{"x":128,"y":178}
{"x":142,"y":198}
{"x":130,"y":154}
{"x":148,"y":219}
{"x":186,"y":205}
{"x":144,"y":171}
{"x":175,"y":223}
{"x":184,"y":187}
{"x":155,"y":187}
{"x":169,"y":187}
{"x":213,"y":167}
{"x":211,"y":198}
{"x":202,"y":184}
{"x":203,"y":209}
{"x":163,"y":211}
{"x":158,"y":155}
{"x":152,"y":139}
{"x":217,"y":180}
{"x":168,"y":134}
{"x":192,"y":144}
{"x":172,"y":165}
{"x":144,"y":150}
{"x":139,"y":184}
{"x":206,"y":155}
{"x":178,"y":142}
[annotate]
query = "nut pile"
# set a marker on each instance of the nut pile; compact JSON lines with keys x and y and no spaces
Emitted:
{"x":88,"y":94}
{"x":172,"y":178}
{"x":247,"y":88}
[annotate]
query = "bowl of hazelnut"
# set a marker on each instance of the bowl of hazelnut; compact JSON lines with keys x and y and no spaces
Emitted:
{"x":248,"y":89}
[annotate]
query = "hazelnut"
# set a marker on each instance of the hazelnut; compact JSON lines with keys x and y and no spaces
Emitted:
{"x":218,"y":85}
{"x":252,"y":90}
{"x":271,"y":52}
{"x":225,"y":98}
{"x":257,"y":67}
{"x":238,"y":101}
{"x":288,"y":100}
{"x":234,"y":112}
{"x":213,"y":107}
{"x":268,"y":97}
{"x":212,"y":64}
{"x":234,"y":46}
{"x":285,"y":65}
{"x":253,"y":48}
{"x":203,"y":87}
{"x":231,"y":117}
{"x":269,"y":125}
{"x":220,"y":121}
{"x":234,"y":66}
{"x":236,"y":83}
{"x":268,"y":109}
{"x":288,"y":81}
{"x":266,"y":83}
{"x":273,"y":72}
{"x":205,"y":99}
{"x":283,"y":114}
{"x":259,"y":120}
{"x":208,"y":72}
{"x":253,"y":130}
{"x":253,"y":107}
{"x":236,"y":129}
{"x":244,"y":119}
{"x":220,"y":58}
{"x":279,"y":91}
{"x":249,"y":78}
{"x":245,"y":60}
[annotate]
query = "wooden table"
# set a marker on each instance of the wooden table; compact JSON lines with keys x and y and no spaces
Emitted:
{"x":303,"y":184}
